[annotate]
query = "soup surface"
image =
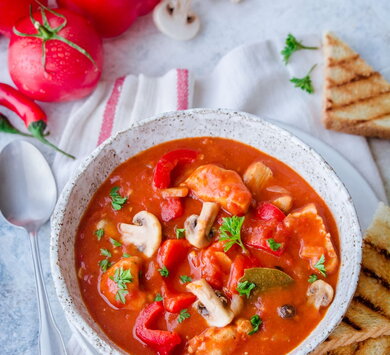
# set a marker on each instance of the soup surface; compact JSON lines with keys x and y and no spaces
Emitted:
{"x":205,"y":244}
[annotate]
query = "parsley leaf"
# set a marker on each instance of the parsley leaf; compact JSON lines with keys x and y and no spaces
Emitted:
{"x":183,"y":315}
{"x":231,"y":231}
{"x":158,"y":298}
{"x":164,"y":271}
{"x":291,"y":46}
{"x":273,"y":245}
{"x":125,"y":255}
{"x":105,"y":252}
{"x":256,"y":323}
{"x":121,"y":278}
{"x":115,"y":243}
{"x":245,"y":288}
{"x":104,"y":264}
{"x":99,"y":233}
{"x":304,"y":83}
{"x":184,"y":279}
{"x":117,"y":201}
{"x":320,"y":265}
{"x":312,"y":278}
{"x":180,"y":233}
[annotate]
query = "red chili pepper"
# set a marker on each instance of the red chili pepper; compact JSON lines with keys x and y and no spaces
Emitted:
{"x":164,"y":167}
{"x":171,"y":252}
{"x":267,"y":211}
{"x":171,"y":208}
{"x":33,"y":116}
{"x":161,"y":341}
{"x":174,"y":302}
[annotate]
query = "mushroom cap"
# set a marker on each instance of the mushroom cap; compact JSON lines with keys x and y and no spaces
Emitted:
{"x":176,"y":20}
{"x":320,"y":294}
{"x":145,"y":233}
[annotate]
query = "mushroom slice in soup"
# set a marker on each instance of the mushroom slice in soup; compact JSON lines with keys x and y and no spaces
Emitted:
{"x":320,"y":294}
{"x":145,"y":233}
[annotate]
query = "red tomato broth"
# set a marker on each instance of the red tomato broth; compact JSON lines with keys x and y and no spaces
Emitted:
{"x":276,"y":335}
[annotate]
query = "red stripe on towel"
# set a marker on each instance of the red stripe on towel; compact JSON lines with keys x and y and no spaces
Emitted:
{"x":109,"y":111}
{"x":182,"y":89}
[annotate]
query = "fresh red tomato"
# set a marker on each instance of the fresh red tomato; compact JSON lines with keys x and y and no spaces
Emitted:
{"x":111,"y":18}
{"x":65,"y":73}
{"x":13,"y":10}
{"x":171,"y":252}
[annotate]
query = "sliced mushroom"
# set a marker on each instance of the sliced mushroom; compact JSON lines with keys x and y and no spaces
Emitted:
{"x":283,"y":202}
{"x":237,"y":304}
{"x":209,"y":304}
{"x":198,"y":227}
{"x":256,"y":176}
{"x":175,"y":19}
{"x":320,"y":294}
{"x":145,"y":233}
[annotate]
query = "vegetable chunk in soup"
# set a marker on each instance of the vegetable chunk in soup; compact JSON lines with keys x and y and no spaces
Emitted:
{"x":206,"y":246}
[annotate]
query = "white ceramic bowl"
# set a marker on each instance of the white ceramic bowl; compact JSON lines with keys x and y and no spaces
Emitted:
{"x":193,"y":123}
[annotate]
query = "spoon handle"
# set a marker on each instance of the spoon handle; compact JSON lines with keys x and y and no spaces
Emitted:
{"x":50,"y":340}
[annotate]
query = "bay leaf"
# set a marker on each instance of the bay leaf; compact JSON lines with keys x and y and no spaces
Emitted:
{"x":266,"y":278}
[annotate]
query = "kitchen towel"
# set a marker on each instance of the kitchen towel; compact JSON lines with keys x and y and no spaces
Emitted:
{"x":251,"y":78}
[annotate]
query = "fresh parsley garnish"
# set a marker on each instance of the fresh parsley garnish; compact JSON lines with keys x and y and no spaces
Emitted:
{"x":312,"y":278}
{"x":245,"y":288}
{"x":320,"y":265}
{"x":105,"y":252}
{"x":158,"y":298}
{"x":256,"y":323}
{"x":231,"y":231}
{"x":164,"y":271}
{"x":273,"y":245}
{"x":115,"y":243}
{"x":292,"y":45}
{"x":121,"y":278}
{"x":184,"y":279}
{"x":304,"y":83}
{"x":104,"y":264}
{"x":183,"y":315}
{"x":99,"y":233}
{"x":117,"y":201}
{"x":125,"y":255}
{"x":180,"y":233}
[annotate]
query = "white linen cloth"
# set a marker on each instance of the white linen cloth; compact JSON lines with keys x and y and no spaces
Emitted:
{"x":251,"y":78}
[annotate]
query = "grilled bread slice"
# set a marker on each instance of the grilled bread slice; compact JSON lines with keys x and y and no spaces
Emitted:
{"x":373,"y":346}
{"x":368,"y":315}
{"x":356,"y":97}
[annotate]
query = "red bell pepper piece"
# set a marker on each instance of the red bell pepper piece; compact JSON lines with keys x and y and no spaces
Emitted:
{"x":171,"y":252}
{"x":174,"y":302}
{"x":240,"y":263}
{"x":171,"y":208}
{"x":161,"y":341}
{"x":267,"y":211}
{"x":164,"y":167}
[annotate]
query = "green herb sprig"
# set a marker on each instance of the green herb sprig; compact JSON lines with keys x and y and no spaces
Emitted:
{"x":184,"y":279}
{"x":158,"y":298}
{"x":245,"y":288}
{"x":304,"y":83}
{"x":256,"y":322}
{"x":180,"y":233}
{"x":231,"y":232}
{"x":117,"y":201}
{"x":273,"y":245}
{"x":320,"y":265}
{"x":99,"y":233}
{"x":164,"y":272}
{"x":291,"y":46}
{"x":183,"y":315}
{"x":121,"y":278}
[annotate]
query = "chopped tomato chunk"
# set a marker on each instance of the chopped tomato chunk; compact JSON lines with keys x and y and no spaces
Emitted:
{"x":174,"y":302}
{"x":171,"y":252}
{"x":171,"y":208}
{"x":214,"y":184}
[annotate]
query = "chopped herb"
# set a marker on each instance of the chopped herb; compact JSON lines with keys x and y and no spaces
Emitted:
{"x":273,"y":245}
{"x":164,"y":271}
{"x":121,"y":278}
{"x":304,"y":83}
{"x":158,"y":298}
{"x":99,"y":233}
{"x":104,"y":264}
{"x":117,"y":201}
{"x":184,"y":279}
{"x":180,"y":233}
{"x":320,"y":265}
{"x":245,"y":288}
{"x":183,"y":315}
{"x":115,"y":243}
{"x":292,"y":45}
{"x":231,"y":232}
{"x":312,"y":278}
{"x":105,"y":252}
{"x":256,"y":323}
{"x":125,"y":255}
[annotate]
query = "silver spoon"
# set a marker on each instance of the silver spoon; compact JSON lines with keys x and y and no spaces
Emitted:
{"x":28,"y":194}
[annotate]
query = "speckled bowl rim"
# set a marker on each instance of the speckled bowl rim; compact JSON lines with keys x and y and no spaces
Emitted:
{"x":57,"y":220}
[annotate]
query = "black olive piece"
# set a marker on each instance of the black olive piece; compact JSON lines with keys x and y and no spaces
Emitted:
{"x":287,"y":311}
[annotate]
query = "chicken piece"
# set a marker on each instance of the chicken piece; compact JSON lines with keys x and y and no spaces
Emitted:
{"x":120,"y":284}
{"x":214,"y":184}
{"x":219,"y":341}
